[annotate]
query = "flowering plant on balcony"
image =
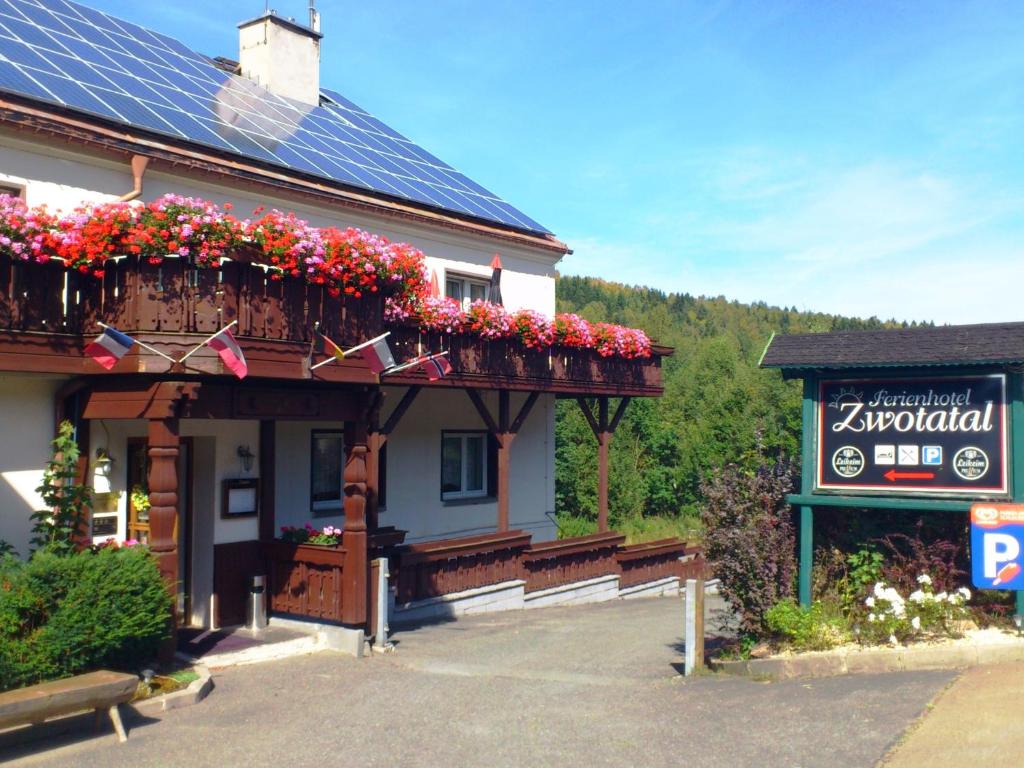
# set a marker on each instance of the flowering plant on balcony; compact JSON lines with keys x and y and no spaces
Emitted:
{"x":24,"y":231}
{"x":440,"y":314}
{"x":347,"y":262}
{"x":572,"y":331}
{"x":532,"y":329}
{"x":328,"y":537}
{"x":487,"y":320}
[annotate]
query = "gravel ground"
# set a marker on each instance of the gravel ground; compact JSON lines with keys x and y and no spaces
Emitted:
{"x":590,"y":686}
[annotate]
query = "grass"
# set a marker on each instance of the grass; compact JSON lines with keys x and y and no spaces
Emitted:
{"x":637,"y":530}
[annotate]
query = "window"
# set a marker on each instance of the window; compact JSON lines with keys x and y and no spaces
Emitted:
{"x":464,"y":465}
{"x":327,"y":468}
{"x":465,"y":290}
{"x":10,"y":189}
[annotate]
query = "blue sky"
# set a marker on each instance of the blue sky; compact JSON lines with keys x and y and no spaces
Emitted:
{"x":862,"y":158}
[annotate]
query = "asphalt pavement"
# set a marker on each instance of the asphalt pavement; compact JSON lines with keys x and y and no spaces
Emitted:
{"x":587,"y":686}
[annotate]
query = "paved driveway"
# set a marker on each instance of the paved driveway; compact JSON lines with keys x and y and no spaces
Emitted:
{"x":589,"y":686}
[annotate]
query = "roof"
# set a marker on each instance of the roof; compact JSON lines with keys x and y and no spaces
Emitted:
{"x":946,"y":345}
{"x":114,"y":72}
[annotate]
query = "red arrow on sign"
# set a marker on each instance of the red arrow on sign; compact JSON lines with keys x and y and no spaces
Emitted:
{"x":892,"y":475}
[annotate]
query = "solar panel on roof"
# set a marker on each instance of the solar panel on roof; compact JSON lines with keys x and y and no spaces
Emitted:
{"x":77,"y":57}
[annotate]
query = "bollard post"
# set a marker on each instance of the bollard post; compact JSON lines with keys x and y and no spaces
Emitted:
{"x":380,"y":634}
{"x":694,"y":630}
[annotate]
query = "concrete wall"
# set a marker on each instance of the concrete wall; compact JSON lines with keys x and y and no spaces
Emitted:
{"x":26,"y":419}
{"x":63,"y":180}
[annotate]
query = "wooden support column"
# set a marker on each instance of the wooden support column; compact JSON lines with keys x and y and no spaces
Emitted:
{"x":504,"y":432}
{"x":355,"y":573}
{"x":603,"y":430}
{"x":268,"y":479}
{"x":162,"y":448}
{"x":377,"y":437}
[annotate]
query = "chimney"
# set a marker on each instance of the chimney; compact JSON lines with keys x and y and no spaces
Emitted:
{"x":282,"y":55}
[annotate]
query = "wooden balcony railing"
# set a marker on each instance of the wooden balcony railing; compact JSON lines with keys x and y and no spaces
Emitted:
{"x":305,"y":579}
{"x":554,"y":563}
{"x":174,"y":297}
{"x":443,"y":567}
{"x":60,"y":308}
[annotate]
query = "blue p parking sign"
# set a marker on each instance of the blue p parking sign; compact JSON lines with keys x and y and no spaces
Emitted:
{"x":997,"y":546}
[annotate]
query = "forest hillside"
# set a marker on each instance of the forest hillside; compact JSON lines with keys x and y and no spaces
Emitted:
{"x":718,"y":407}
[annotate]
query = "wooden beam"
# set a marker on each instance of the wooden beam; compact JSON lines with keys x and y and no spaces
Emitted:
{"x":481,"y":408}
{"x":602,"y":413}
{"x":524,"y":412}
{"x":585,"y":407}
{"x":504,"y":455}
{"x":619,"y":412}
{"x":268,"y":479}
{"x":503,"y":411}
{"x":400,"y":409}
{"x":602,"y":481}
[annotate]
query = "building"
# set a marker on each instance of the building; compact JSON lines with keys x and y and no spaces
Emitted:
{"x":94,"y":109}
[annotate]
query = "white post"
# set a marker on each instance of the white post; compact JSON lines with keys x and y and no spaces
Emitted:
{"x":694,"y":632}
{"x":380,"y":635}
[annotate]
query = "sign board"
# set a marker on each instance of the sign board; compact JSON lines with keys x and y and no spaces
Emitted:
{"x":944,"y":435}
{"x":997,"y":546}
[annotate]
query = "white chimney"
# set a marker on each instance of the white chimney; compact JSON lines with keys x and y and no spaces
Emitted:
{"x":282,"y":55}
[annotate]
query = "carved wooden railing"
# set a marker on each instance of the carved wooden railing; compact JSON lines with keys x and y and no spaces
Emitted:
{"x":653,"y":560}
{"x":443,"y":567}
{"x":305,"y":579}
{"x":554,"y":563}
{"x":175,"y":297}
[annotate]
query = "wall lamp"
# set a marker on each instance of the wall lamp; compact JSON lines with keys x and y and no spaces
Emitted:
{"x":246,"y":456}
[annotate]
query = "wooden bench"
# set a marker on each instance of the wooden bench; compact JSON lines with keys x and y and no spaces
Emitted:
{"x":102,"y":690}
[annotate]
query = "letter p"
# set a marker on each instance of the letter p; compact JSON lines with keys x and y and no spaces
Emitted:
{"x":998,"y":548}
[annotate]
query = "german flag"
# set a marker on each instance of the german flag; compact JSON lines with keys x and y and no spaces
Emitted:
{"x":328,"y":347}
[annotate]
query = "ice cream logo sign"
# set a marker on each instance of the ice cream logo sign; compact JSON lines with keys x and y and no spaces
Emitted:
{"x":944,"y":435}
{"x":997,"y":533}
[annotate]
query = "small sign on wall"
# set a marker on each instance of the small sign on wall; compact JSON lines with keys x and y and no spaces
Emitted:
{"x":240,"y":498}
{"x":936,"y":435}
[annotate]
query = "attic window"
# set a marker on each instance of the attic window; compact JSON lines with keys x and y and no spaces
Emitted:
{"x":12,"y":190}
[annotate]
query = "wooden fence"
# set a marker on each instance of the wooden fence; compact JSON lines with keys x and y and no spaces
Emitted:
{"x":555,"y":563}
{"x":442,"y":567}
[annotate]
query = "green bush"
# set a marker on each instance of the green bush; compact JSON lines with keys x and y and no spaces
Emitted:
{"x":65,"y":614}
{"x":817,"y":628}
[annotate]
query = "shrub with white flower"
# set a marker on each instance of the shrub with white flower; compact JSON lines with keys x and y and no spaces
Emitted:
{"x":891,"y":618}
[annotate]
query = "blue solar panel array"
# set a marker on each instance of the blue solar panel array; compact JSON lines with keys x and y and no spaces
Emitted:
{"x":68,"y":54}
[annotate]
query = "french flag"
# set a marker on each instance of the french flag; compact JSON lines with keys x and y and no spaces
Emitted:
{"x":230,"y":353}
{"x":378,"y":356}
{"x":109,"y":347}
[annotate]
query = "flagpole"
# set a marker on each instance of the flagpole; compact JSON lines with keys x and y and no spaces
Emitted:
{"x":140,"y":343}
{"x":206,"y":340}
{"x":347,"y":352}
{"x":411,"y":363}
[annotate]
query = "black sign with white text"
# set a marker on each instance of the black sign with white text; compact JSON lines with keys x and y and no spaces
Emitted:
{"x":945,"y":435}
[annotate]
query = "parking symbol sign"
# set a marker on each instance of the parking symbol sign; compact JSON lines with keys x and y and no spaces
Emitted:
{"x":931,"y":455}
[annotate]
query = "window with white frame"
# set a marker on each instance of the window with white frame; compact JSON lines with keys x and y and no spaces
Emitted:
{"x":465,"y":290}
{"x":327,"y":469}
{"x":463,"y":465}
{"x":11,"y":189}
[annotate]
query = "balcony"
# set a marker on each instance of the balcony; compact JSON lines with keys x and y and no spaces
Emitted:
{"x":48,"y":314}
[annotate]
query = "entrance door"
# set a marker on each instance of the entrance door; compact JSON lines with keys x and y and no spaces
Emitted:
{"x":138,"y":513}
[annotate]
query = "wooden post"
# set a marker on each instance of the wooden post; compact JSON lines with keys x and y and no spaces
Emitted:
{"x":603,"y":429}
{"x":374,"y":443}
{"x":504,"y":439}
{"x":355,"y":574}
{"x":163,"y":442}
{"x":806,"y":554}
{"x":268,"y":478}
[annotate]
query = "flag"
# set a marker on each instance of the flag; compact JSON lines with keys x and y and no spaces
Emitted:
{"x":378,"y":356}
{"x":229,"y":351}
{"x":435,"y":366}
{"x":109,"y":347}
{"x":494,"y":286}
{"x":328,"y":347}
